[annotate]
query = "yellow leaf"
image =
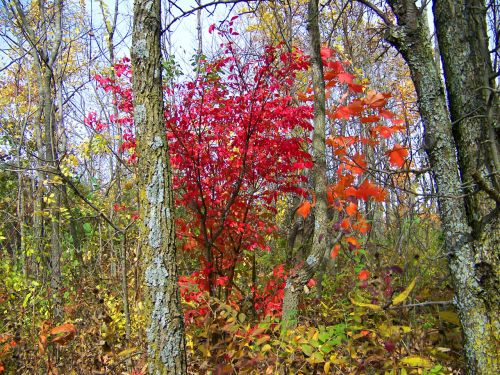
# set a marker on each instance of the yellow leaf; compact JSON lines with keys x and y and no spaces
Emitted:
{"x":404,"y":295}
{"x":326,"y":367}
{"x":127,"y":352}
{"x":266,"y":348}
{"x":335,"y":360}
{"x":416,"y":361}
{"x":367,"y":305}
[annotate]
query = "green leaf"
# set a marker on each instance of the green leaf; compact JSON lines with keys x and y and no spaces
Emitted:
{"x":87,"y":227}
{"x":323,"y":337}
{"x":404,"y":295}
{"x":316,"y":357}
{"x":307,"y":349}
{"x":26,"y":299}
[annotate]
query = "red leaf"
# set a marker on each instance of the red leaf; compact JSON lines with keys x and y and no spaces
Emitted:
{"x":335,"y":66}
{"x":345,"y":78}
{"x":342,"y":113}
{"x":211,"y":28}
{"x":345,"y":224}
{"x":311,"y":283}
{"x":371,"y":118}
{"x":363,"y":275}
{"x":335,"y":251}
{"x":386,"y":114}
{"x":356,"y":88}
{"x":359,"y":164}
{"x":326,"y":52}
{"x":397,"y":155}
{"x":355,"y":107}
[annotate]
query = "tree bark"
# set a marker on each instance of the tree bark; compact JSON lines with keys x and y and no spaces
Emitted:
{"x":296,"y":281}
{"x":473,"y":104}
{"x":165,"y":326}
{"x":412,"y":39}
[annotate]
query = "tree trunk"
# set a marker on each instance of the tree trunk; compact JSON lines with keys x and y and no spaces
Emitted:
{"x":296,"y":281}
{"x":412,"y":39}
{"x":473,"y":103}
{"x":165,"y":325}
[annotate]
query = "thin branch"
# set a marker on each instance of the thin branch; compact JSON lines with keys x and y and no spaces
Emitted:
{"x":185,"y":13}
{"x":422,"y":304}
{"x":377,"y":10}
{"x":481,"y":182}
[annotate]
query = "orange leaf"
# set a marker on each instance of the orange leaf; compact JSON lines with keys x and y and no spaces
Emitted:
{"x":65,"y":333}
{"x":342,"y":112}
{"x":314,"y":199}
{"x":353,"y":241}
{"x":304,"y":98}
{"x":397,"y":155}
{"x":384,"y":131}
{"x":364,"y":275}
{"x":42,"y":343}
{"x":368,"y":190}
{"x":335,"y":251}
{"x":355,"y":107}
{"x":361,"y":226}
{"x":351,"y":209}
{"x":304,"y":209}
{"x":375,"y":99}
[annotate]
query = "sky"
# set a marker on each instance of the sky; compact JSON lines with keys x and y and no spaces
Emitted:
{"x":184,"y":43}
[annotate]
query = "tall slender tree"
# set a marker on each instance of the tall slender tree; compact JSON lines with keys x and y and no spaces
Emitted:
{"x":41,"y":32}
{"x":295,"y":282}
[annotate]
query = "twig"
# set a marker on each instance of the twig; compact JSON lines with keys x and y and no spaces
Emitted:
{"x":422,"y":304}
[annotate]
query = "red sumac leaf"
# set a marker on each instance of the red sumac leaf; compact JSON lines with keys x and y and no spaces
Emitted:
{"x":397,"y":155}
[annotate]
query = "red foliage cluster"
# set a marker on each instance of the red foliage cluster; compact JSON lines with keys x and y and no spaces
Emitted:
{"x":237,"y":141}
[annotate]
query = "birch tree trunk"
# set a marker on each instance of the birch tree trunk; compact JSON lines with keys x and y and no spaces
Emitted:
{"x":165,"y":329}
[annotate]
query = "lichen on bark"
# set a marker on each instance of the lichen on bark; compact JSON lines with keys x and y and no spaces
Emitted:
{"x":165,"y":329}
